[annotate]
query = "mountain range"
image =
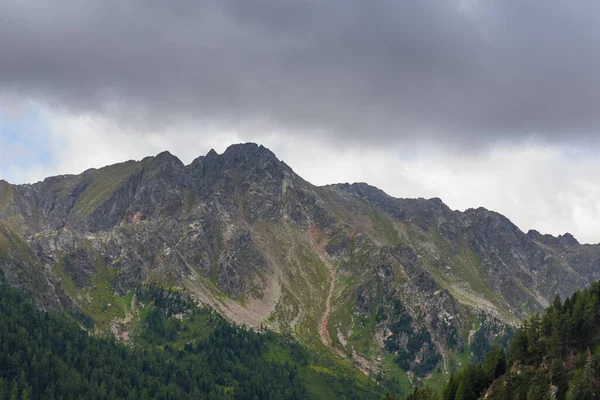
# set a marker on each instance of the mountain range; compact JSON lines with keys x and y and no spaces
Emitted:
{"x":397,"y":286}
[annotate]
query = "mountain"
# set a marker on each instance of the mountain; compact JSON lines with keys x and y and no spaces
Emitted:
{"x":401,"y":287}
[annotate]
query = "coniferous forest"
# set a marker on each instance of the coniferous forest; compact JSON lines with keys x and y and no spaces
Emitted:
{"x":50,"y":356}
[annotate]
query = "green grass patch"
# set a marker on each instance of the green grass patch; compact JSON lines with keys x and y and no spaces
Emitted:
{"x":462,"y":359}
{"x":100,"y":301}
{"x":437,"y":379}
{"x":104,"y":182}
{"x":364,"y":329}
{"x":383,"y":225}
{"x":465,"y":267}
{"x":394,"y":376}
{"x":214,"y":261}
{"x":475,"y":322}
{"x":66,"y":282}
{"x":10,"y":241}
{"x":4,"y":245}
{"x":6,"y":196}
{"x":127,"y":300}
{"x":279,"y":354}
{"x":341,"y":318}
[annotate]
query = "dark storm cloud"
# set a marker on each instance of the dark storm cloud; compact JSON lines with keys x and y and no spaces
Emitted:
{"x":463,"y":71}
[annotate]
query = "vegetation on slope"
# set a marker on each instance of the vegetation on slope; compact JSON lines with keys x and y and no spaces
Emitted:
{"x":102,"y":184}
{"x":555,"y":356}
{"x":183,"y":352}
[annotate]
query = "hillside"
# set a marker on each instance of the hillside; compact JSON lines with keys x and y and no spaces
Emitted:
{"x":555,"y":356}
{"x":181,"y":352}
{"x":402,"y":288}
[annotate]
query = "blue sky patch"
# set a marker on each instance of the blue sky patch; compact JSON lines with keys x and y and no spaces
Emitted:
{"x":25,"y":144}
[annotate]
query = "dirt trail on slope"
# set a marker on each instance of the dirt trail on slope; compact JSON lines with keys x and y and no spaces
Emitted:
{"x":323,"y":331}
{"x":361,"y":363}
{"x":318,"y":247}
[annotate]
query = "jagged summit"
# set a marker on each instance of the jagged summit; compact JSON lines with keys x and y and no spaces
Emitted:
{"x":247,"y":150}
{"x":162,"y":159}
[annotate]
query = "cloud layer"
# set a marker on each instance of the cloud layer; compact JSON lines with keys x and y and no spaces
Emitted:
{"x":480,"y":102}
{"x":464,"y":72}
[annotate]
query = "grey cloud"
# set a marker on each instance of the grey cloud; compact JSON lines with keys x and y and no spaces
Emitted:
{"x":463,"y":71}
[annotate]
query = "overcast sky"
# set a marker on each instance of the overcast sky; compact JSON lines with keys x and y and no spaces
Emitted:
{"x":492,"y":103}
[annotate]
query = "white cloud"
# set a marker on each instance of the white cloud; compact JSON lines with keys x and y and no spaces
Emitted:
{"x":536,"y":186}
{"x":91,"y":141}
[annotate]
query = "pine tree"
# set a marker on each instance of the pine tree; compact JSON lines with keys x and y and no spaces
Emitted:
{"x":494,"y":364}
{"x":26,"y":394}
{"x":14,"y":392}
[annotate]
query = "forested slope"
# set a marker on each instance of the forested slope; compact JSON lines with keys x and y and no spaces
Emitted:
{"x":554,"y":356}
{"x":182,"y":352}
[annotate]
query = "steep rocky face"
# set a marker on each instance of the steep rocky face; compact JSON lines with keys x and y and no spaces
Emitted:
{"x":404,"y":282}
{"x":22,"y":268}
{"x":527,"y":270}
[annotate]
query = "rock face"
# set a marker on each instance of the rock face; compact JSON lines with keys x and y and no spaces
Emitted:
{"x":242,"y":232}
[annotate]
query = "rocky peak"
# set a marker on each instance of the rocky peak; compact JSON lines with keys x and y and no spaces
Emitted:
{"x":360,"y":189}
{"x":164,"y":160}
{"x":491,"y":220}
{"x":253,"y":156}
{"x":247,"y":151}
{"x":248,"y":162}
{"x":568,"y":240}
{"x":563,"y":241}
{"x":534,"y":235}
{"x":207,"y":168}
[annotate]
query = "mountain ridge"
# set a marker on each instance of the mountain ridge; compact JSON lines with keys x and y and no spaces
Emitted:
{"x":212,"y":153}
